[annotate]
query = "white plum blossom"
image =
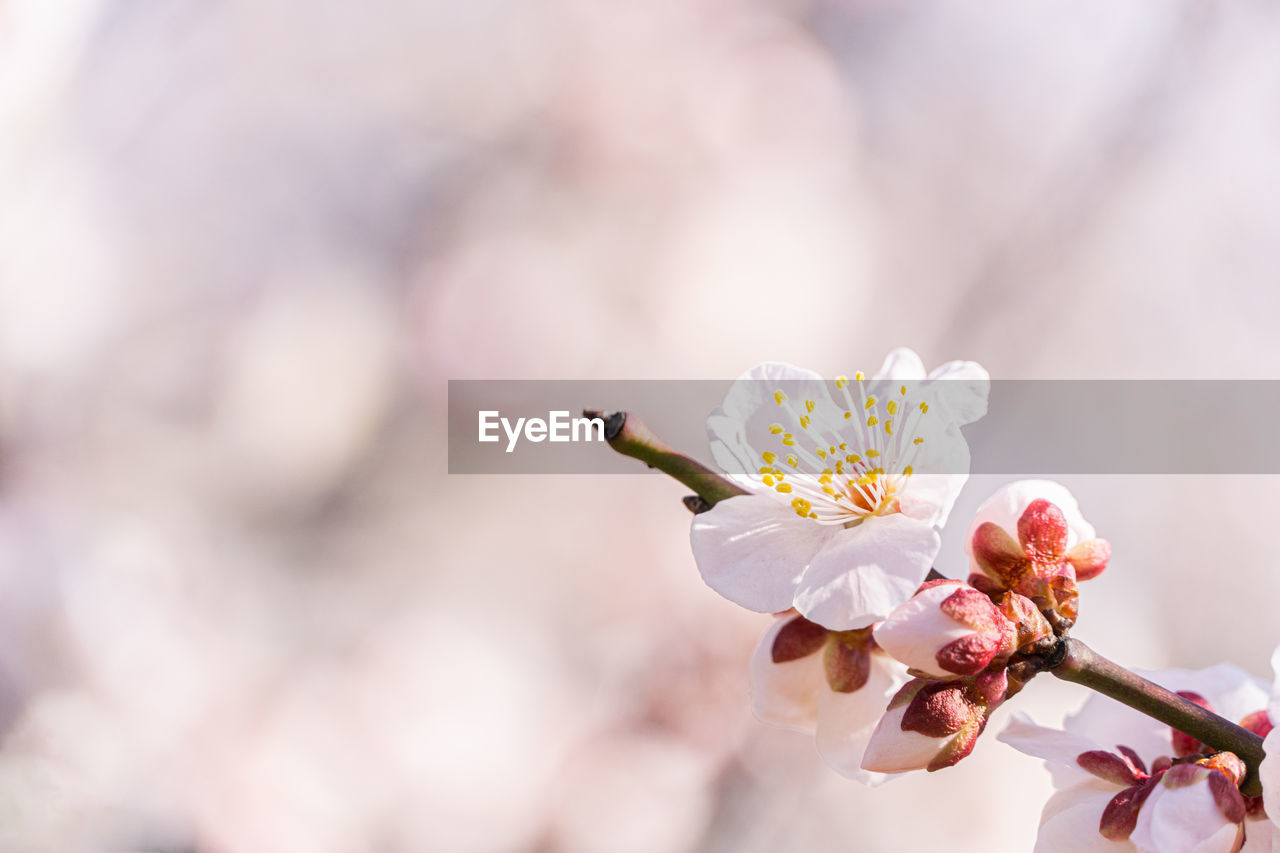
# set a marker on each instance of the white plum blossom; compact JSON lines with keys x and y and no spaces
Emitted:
{"x":834,"y":685}
{"x":845,"y":493}
{"x":1113,"y":771}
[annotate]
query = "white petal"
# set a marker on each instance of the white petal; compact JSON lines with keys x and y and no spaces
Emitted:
{"x":1053,"y":745}
{"x":739,"y":428}
{"x":930,"y":497}
{"x":917,"y":630}
{"x":864,"y":572}
{"x":901,"y":364}
{"x":1260,"y":836}
{"x":964,"y":389}
{"x":786,"y":694}
{"x":1069,"y":822}
{"x":1183,"y":820}
{"x":891,"y":750}
{"x":1273,"y":709}
{"x":846,"y":720}
{"x":1006,"y":506}
{"x":1269,"y":772}
{"x":753,"y":550}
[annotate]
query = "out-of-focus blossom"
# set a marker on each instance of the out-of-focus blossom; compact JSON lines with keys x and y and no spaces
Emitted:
{"x":845,"y":497}
{"x":947,"y":629}
{"x":832,"y":683}
{"x":1264,"y":725}
{"x":933,"y":724}
{"x":1117,"y":788}
{"x":1053,"y":549}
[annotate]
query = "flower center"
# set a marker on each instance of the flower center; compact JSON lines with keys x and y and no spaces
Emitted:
{"x":843,"y":466}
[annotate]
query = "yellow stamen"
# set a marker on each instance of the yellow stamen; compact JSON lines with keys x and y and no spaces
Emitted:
{"x":779,"y":397}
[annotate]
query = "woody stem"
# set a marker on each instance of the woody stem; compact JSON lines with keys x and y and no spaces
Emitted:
{"x":1082,"y":665}
{"x":628,"y":435}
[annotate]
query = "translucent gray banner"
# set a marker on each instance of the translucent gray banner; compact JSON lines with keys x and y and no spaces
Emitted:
{"x":1031,"y":428}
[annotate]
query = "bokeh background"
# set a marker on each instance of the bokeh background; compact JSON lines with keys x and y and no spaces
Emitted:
{"x":244,"y":244}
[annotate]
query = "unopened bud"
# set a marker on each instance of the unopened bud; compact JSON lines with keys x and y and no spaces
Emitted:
{"x":947,"y":629}
{"x":930,"y":724}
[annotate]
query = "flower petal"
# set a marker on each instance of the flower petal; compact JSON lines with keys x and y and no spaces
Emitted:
{"x":1184,"y":816}
{"x":1089,"y":558}
{"x":846,"y":720}
{"x":997,"y":554}
{"x":785,"y":694}
{"x":798,"y":638}
{"x":1269,"y":770}
{"x":1260,"y":836}
{"x":864,"y":572}
{"x":1069,"y":822}
{"x":1042,"y":531}
{"x":964,"y":390}
{"x":1058,"y":747}
{"x":739,"y":428}
{"x":753,"y":550}
{"x":1274,"y":706}
{"x":901,"y":364}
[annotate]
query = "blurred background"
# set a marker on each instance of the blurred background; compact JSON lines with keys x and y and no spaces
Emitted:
{"x":243,"y":245}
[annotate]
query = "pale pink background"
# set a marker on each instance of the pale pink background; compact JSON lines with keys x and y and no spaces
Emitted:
{"x":244,"y":244}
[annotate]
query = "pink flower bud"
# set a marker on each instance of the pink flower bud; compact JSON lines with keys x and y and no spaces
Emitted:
{"x":1030,"y":538}
{"x":1191,"y":809}
{"x":946,"y":629}
{"x":933,"y":724}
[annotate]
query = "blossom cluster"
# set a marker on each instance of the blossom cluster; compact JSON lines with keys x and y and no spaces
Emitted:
{"x":895,"y":668}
